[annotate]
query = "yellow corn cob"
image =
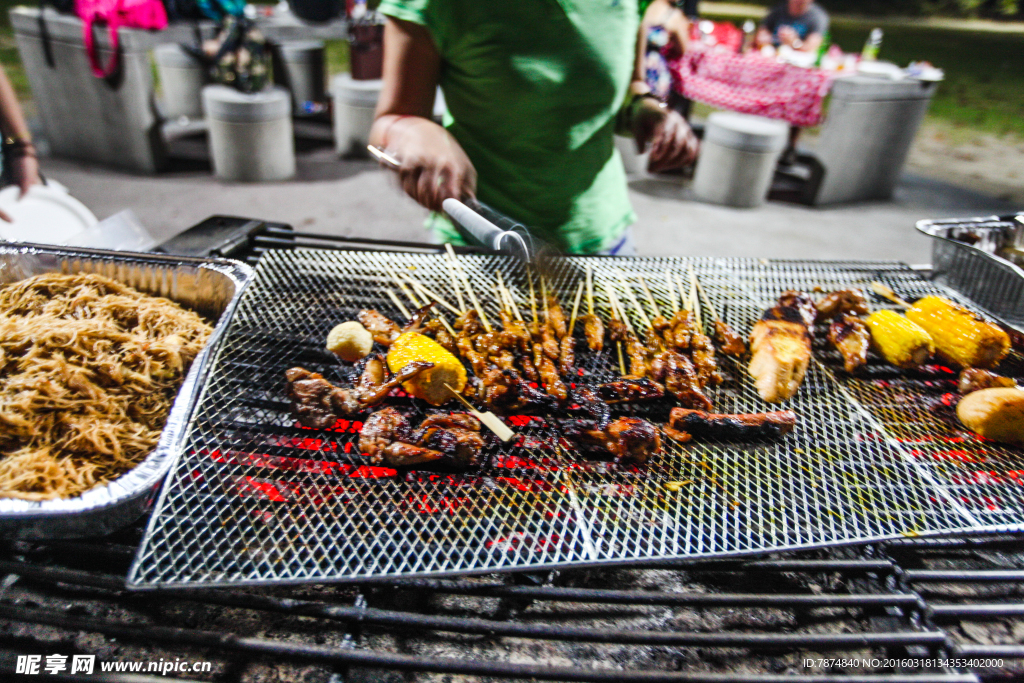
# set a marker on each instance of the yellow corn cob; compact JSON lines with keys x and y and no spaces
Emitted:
{"x":430,"y":384}
{"x":960,"y":336}
{"x":902,"y":342}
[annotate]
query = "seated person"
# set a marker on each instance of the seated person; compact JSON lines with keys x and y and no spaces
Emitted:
{"x":664,"y":32}
{"x":800,"y":24}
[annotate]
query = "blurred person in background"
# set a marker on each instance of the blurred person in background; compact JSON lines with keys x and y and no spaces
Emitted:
{"x":19,"y":163}
{"x":799,"y":24}
{"x":664,"y":34}
{"x":535,"y":90}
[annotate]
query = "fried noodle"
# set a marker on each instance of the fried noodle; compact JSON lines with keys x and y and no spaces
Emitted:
{"x":89,"y":369}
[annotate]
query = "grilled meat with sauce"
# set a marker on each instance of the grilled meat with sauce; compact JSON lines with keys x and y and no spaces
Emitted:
{"x":851,"y":337}
{"x":781,"y":347}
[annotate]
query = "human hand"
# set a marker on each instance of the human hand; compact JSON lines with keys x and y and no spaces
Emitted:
{"x":434,"y":167}
{"x":25,"y":173}
{"x":788,"y":35}
{"x":672,"y":142}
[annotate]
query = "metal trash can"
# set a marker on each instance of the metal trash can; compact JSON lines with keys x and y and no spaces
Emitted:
{"x":299,"y":67}
{"x":250,"y":134}
{"x":182,"y":77}
{"x":354,"y":105}
{"x":737,"y":159}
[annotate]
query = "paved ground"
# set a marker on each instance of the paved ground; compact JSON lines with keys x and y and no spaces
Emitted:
{"x":355,"y":197}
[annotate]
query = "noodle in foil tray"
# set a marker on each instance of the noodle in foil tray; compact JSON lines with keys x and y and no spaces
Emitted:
{"x":89,"y":369}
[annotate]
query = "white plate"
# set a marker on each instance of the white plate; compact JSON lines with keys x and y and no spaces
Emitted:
{"x":47,"y":214}
{"x":887,"y":69}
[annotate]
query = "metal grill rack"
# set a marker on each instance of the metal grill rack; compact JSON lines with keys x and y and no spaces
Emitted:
{"x":888,"y":606}
{"x":258,"y":500}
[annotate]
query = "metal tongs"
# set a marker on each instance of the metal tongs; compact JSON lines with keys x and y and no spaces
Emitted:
{"x":490,"y":228}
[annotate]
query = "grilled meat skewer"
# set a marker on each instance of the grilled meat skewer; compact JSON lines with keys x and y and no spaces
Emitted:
{"x":388,"y":439}
{"x":781,"y":346}
{"x":626,"y":440}
{"x":684,"y":423}
{"x":631,"y":390}
{"x":556,"y":317}
{"x":975,"y":379}
{"x":593,"y":330}
{"x":851,"y":337}
{"x":729,"y":343}
{"x":840,"y":303}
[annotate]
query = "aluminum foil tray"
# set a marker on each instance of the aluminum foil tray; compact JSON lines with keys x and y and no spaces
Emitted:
{"x":259,"y":499}
{"x":965,"y":256}
{"x":211,"y":287}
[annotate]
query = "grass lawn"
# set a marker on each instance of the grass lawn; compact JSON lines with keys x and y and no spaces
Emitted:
{"x":984,"y":86}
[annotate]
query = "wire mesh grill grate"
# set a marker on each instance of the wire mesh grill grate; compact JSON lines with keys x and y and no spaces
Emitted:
{"x":255,"y":498}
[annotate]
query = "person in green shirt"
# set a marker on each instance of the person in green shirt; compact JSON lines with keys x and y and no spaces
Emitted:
{"x":534,"y":90}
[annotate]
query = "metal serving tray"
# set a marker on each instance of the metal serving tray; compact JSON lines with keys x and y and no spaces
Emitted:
{"x":965,"y":257}
{"x":211,"y":287}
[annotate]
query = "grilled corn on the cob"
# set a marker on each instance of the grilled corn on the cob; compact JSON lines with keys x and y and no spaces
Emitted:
{"x":960,"y":336}
{"x":430,"y":384}
{"x":900,"y":341}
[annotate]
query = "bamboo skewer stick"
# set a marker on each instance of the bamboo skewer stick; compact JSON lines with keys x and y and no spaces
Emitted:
{"x":398,"y":304}
{"x":428,"y":295}
{"x":682,"y":293}
{"x":544,"y":297}
{"x":671,"y":291}
{"x":401,"y":285}
{"x":450,"y":262}
{"x":533,"y":298}
{"x":695,"y":301}
{"x":650,"y":298}
{"x":887,"y":293}
{"x":575,"y":308}
{"x":701,"y":294}
{"x":622,"y":363}
{"x":472,"y":294}
{"x":632,"y":299}
{"x":590,"y":290}
{"x":488,"y":419}
{"x":512,"y":307}
{"x":617,"y":311}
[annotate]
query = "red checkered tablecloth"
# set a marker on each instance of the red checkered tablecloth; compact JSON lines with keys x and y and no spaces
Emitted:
{"x":751,"y":84}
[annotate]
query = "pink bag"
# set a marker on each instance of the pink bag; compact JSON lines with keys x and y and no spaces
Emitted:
{"x":147,"y":14}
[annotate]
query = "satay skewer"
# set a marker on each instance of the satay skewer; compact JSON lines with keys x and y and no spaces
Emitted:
{"x":472,"y":294}
{"x":450,"y":262}
{"x":575,"y":309}
{"x":533,"y":299}
{"x":682,"y":293}
{"x":622,"y":363}
{"x":650,"y":298}
{"x":508,"y":296}
{"x":617,"y":312}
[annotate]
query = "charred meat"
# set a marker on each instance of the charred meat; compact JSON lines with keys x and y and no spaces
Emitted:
{"x":631,"y":390}
{"x":842,"y":302}
{"x":852,"y":338}
{"x":626,"y":440}
{"x":592,"y":405}
{"x":975,"y":379}
{"x":453,"y":440}
{"x":675,"y":371}
{"x":702,"y":424}
{"x":383,"y":329}
{"x":556,"y":317}
{"x":729,"y":343}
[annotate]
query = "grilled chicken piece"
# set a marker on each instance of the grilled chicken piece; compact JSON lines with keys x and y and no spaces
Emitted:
{"x":556,"y":317}
{"x":683,"y":424}
{"x":567,"y":356}
{"x":851,"y":336}
{"x":626,"y":440}
{"x":388,"y":439}
{"x":703,"y":354}
{"x":549,"y":374}
{"x":383,"y":329}
{"x":631,"y":390}
{"x":637,"y":354}
{"x":549,"y":342}
{"x":677,"y":374}
{"x":476,"y":360}
{"x":317,"y":403}
{"x":506,"y":392}
{"x":729,"y":343}
{"x":842,"y":302}
{"x":975,"y":379}
{"x":468,"y":323}
{"x":592,"y":405}
{"x":593,"y":329}
{"x":781,"y":347}
{"x":617,"y":330}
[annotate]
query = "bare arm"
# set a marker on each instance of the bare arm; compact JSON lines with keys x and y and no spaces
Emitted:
{"x":434,"y":165}
{"x":22,"y":158}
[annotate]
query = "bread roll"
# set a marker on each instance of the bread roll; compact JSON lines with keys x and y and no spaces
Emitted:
{"x":997,"y":414}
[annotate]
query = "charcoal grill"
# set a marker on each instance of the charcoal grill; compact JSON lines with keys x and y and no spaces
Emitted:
{"x":698,"y":619}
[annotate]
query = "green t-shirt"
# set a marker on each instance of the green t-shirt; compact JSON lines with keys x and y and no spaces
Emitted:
{"x":532,"y":89}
